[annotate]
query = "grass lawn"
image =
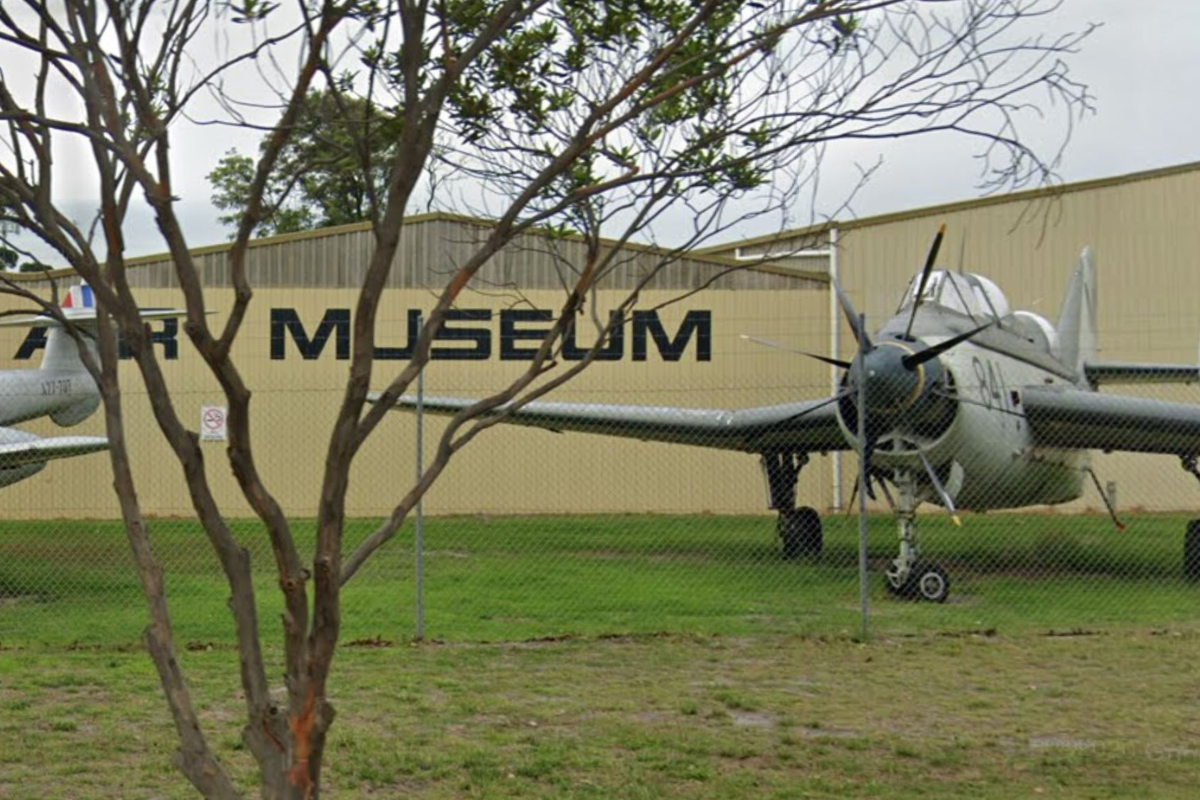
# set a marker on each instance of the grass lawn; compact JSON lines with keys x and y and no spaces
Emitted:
{"x":616,"y":656}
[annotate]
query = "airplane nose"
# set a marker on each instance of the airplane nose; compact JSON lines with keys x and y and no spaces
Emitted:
{"x":901,"y":393}
{"x":890,"y":385}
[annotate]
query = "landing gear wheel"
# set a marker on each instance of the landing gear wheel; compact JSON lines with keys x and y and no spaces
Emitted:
{"x":924,"y":581}
{"x":931,"y":583}
{"x":800,"y":532}
{"x":1191,"y":551}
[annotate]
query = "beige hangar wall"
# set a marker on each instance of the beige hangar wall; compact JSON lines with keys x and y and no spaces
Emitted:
{"x":514,"y":470}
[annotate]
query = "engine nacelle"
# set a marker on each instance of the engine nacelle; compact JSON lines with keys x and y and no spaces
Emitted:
{"x":76,"y":412}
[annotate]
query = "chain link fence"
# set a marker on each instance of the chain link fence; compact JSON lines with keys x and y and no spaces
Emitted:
{"x":532,"y":534}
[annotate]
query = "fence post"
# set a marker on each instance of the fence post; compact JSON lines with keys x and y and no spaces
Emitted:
{"x":863,"y":577}
{"x":420,"y":542}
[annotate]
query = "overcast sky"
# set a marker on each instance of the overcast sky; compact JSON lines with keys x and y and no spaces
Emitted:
{"x":1141,"y":66}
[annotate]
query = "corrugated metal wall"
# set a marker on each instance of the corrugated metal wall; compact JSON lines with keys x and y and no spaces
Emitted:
{"x":1144,"y":231}
{"x":503,"y":471}
{"x":433,"y":246}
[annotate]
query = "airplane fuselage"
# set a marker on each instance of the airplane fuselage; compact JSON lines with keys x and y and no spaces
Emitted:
{"x":985,"y":455}
{"x":67,"y":396}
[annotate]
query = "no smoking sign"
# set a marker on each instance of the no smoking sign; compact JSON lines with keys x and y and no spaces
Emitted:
{"x":212,"y":423}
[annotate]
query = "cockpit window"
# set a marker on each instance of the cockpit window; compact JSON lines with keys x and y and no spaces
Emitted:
{"x":970,"y":294}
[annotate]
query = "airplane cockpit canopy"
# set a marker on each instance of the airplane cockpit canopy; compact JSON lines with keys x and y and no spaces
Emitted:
{"x":979,"y":298}
{"x":966,"y":293}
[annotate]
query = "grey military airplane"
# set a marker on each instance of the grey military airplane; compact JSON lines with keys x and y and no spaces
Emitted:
{"x":968,"y":405}
{"x":61,"y":389}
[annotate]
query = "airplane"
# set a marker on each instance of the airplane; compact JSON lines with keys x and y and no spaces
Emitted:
{"x":61,"y":389}
{"x":968,"y":405}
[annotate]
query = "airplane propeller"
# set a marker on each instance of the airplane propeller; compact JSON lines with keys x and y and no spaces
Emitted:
{"x":897,"y":381}
{"x":930,"y":353}
{"x":930,"y":260}
{"x":837,"y":362}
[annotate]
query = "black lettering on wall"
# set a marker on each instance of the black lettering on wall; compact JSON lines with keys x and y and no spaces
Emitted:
{"x":510,"y":334}
{"x":286,"y":321}
{"x":482,"y":337}
{"x":406,"y":352}
{"x":695,"y":323}
{"x":38,"y":338}
{"x":613,"y":349}
{"x":167,"y":337}
{"x":35,"y":340}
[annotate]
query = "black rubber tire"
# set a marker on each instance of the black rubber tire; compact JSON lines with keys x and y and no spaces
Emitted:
{"x":930,"y":583}
{"x":800,"y":532}
{"x":1191,"y":551}
{"x":925,"y":581}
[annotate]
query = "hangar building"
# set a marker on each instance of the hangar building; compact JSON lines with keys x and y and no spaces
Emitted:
{"x":685,"y":348}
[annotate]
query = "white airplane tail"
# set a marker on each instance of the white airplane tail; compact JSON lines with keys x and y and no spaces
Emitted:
{"x":1077,"y":318}
{"x":79,"y":306}
{"x":61,"y":353}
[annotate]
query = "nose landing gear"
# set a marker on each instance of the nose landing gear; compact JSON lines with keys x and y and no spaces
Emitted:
{"x":910,"y":576}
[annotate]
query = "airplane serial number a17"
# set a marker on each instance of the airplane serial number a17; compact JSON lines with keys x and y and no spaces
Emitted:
{"x":965,"y":404}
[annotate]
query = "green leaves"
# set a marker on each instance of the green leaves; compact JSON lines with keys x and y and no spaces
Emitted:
{"x":338,"y":155}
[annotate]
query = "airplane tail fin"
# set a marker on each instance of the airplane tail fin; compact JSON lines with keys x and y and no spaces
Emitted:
{"x":1077,"y":318}
{"x":78,"y":306}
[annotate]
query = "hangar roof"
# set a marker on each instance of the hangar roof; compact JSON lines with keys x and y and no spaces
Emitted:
{"x":1045,"y":192}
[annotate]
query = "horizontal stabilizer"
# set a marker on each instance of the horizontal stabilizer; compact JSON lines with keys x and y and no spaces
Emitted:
{"x":83,"y":316}
{"x":37,"y":450}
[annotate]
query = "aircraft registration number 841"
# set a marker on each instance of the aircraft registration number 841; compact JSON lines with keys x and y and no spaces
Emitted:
{"x":993,"y":391}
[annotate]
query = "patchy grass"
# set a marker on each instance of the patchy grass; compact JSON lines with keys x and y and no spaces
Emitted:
{"x":653,"y":716}
{"x":503,"y":579}
{"x":639,"y":657}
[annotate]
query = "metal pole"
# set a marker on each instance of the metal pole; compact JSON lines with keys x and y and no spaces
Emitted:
{"x":863,"y":584}
{"x":835,"y":351}
{"x":420,"y":543}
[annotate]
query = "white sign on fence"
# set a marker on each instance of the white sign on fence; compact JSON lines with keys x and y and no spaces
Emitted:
{"x":212,"y":423}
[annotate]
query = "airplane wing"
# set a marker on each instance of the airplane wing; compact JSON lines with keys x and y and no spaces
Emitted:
{"x":1099,"y":372}
{"x":35,"y":450}
{"x":1073,"y":418}
{"x":810,"y":426}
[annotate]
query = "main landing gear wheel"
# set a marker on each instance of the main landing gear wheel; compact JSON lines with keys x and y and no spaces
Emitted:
{"x":1191,"y":551}
{"x":924,"y":581}
{"x":800,"y":532}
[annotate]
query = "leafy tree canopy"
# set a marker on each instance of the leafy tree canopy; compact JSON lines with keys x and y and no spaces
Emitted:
{"x":338,"y":157}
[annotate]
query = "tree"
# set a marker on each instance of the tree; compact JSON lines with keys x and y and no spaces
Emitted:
{"x":571,"y":117}
{"x":336,"y":159}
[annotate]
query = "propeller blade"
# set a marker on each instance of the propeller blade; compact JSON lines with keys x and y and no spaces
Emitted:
{"x":853,"y":494}
{"x":928,"y":354}
{"x":775,"y":345}
{"x":860,"y":334}
{"x":930,"y":260}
